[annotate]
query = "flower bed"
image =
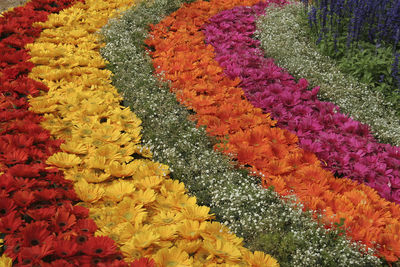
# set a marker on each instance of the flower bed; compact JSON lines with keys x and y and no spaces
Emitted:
{"x":129,"y":197}
{"x":179,"y":52}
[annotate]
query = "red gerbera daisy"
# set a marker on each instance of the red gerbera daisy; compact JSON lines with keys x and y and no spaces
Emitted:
{"x":63,"y":220}
{"x":58,"y":263}
{"x":24,"y":198}
{"x":100,"y":246}
{"x":86,"y":226}
{"x":40,"y":213}
{"x":65,"y":248}
{"x":80,"y":212}
{"x":6,"y":206}
{"x":10,"y":223}
{"x":21,"y":170}
{"x":143,"y":262}
{"x":36,"y":234}
{"x":32,"y":256}
{"x":15,"y":156}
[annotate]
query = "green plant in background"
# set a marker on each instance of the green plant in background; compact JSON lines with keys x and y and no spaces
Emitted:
{"x":284,"y":35}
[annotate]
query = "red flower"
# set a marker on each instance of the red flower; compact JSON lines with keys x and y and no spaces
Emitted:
{"x":21,"y":170}
{"x":6,"y":206}
{"x":65,"y":248}
{"x":58,"y":263}
{"x":86,"y":226}
{"x":63,"y":220}
{"x":7,"y":183}
{"x":35,"y":234}
{"x":100,"y":246}
{"x":45,"y":194}
{"x":80,"y":212}
{"x":143,"y":262}
{"x":10,"y":223}
{"x":16,"y":156}
{"x":23,"y":198}
{"x":32,"y":256}
{"x":41,"y":213}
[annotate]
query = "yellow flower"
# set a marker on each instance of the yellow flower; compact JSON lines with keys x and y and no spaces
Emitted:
{"x":144,"y":239}
{"x":172,"y":257}
{"x":166,"y":217}
{"x":63,"y":160}
{"x":145,"y":196}
{"x":122,"y":170}
{"x":43,"y":104}
{"x":74,"y":148}
{"x":132,"y":212}
{"x":110,"y":152}
{"x":5,"y":261}
{"x":88,"y":192}
{"x":223,"y":250}
{"x":202,"y":257}
{"x":189,"y":246}
{"x":216,"y":231}
{"x":96,"y":162}
{"x":153,"y":182}
{"x":195,"y":212}
{"x":191,"y":230}
{"x":259,"y":259}
{"x":124,"y":231}
{"x":118,"y":189}
{"x":167,"y":232}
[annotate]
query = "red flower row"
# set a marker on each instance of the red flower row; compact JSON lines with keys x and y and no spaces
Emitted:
{"x":37,"y":216}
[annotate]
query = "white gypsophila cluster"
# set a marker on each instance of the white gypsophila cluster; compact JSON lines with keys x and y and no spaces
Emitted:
{"x":235,"y":197}
{"x":283,"y":37}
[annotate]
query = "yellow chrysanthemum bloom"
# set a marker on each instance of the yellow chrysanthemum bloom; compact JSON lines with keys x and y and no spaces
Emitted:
{"x":191,"y":230}
{"x":88,"y":192}
{"x":5,"y":261}
{"x":153,"y":182}
{"x":63,"y":160}
{"x":167,"y":218}
{"x":172,"y":257}
{"x":118,"y":189}
{"x":222,"y":250}
{"x":122,"y":170}
{"x":74,"y":148}
{"x":259,"y":259}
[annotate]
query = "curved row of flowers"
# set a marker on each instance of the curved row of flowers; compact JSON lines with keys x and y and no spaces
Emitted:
{"x":180,"y":54}
{"x":130,"y":197}
{"x":41,"y":226}
{"x":345,"y":146}
{"x":260,"y":216}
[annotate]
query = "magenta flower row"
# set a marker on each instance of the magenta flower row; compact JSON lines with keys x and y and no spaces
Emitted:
{"x":345,"y":146}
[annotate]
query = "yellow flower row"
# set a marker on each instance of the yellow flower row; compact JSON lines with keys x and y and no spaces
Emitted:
{"x":130,"y":197}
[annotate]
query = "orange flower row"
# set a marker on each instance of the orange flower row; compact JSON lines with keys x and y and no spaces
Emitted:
{"x":248,"y":135}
